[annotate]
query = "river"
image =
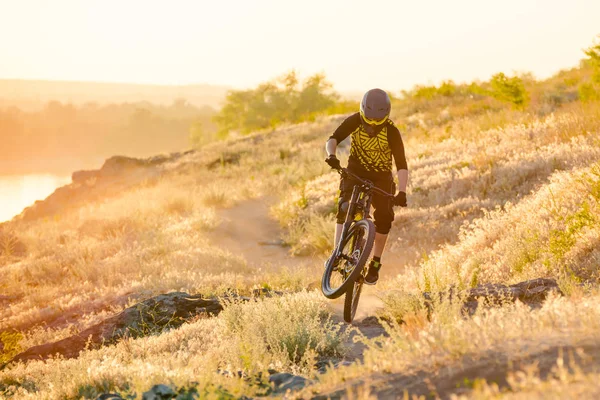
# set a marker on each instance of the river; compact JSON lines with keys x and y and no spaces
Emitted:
{"x":18,"y":192}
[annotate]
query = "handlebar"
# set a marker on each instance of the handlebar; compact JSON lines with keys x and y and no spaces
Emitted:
{"x":345,"y":172}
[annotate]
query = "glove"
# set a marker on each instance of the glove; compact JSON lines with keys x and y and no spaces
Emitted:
{"x":333,"y":162}
{"x":400,"y":199}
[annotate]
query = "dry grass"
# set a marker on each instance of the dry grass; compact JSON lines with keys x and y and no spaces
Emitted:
{"x":512,"y":332}
{"x":527,"y":384}
{"x":495,"y":196}
{"x":223,"y":356}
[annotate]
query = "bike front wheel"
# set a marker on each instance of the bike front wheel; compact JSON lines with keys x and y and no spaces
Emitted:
{"x":342,"y":271}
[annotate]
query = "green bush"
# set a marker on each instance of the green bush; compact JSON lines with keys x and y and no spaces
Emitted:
{"x":447,"y":89}
{"x":590,"y":90}
{"x":272,"y":103}
{"x":511,"y":90}
{"x":424,"y":92}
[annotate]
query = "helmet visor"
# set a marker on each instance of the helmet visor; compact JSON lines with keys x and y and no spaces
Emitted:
{"x":372,"y":129}
{"x":372,"y":121}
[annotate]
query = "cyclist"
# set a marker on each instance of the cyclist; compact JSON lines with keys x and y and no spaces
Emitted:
{"x":374,"y":141}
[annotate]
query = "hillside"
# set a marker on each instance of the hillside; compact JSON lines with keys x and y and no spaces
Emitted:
{"x":498,"y":195}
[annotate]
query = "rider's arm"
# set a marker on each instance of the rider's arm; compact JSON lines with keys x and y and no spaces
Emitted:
{"x":397,"y":147}
{"x":331,"y":146}
{"x":402,"y":179}
{"x":342,"y":132}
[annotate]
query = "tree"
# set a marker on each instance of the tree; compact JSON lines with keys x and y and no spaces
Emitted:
{"x":316,"y":96}
{"x":272,"y":103}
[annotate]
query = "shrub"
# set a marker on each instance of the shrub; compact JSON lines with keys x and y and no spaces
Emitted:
{"x":285,"y":333}
{"x":447,"y":89}
{"x":511,"y":90}
{"x":424,"y":92}
{"x":590,"y":90}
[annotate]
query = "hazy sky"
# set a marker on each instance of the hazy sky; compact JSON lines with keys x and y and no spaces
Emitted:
{"x":358,"y":44}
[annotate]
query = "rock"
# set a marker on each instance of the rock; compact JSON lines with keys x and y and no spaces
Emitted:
{"x":265,"y":292}
{"x":117,"y":165}
{"x":225,"y":159}
{"x":369,"y":321}
{"x":284,"y":382}
{"x":159,"y":392}
{"x":530,"y":292}
{"x":149,"y":317}
{"x":7,"y":299}
{"x":275,"y":242}
{"x":83,"y":176}
{"x":109,"y":396}
{"x":324,"y":365}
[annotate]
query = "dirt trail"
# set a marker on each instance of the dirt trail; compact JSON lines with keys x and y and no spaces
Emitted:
{"x":249,"y":231}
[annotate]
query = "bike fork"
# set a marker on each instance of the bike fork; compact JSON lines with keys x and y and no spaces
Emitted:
{"x":347,"y":223}
{"x":339,"y":246}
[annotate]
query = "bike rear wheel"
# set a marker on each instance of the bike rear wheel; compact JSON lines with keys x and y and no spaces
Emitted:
{"x":341,"y":272}
{"x":351,"y":300}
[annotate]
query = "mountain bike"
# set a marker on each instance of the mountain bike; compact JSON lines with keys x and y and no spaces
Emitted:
{"x":345,"y":270}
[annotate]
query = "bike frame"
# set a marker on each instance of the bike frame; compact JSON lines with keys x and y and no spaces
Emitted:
{"x":361,"y":198}
{"x":358,"y":236}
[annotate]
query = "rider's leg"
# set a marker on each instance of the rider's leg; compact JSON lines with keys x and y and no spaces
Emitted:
{"x":384,"y":215}
{"x":380,"y":239}
{"x":373,"y":272}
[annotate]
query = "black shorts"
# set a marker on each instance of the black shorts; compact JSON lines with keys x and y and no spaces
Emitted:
{"x":384,"y":211}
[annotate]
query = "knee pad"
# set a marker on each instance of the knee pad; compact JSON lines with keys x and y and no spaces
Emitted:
{"x":383,"y":227}
{"x":384,"y":216}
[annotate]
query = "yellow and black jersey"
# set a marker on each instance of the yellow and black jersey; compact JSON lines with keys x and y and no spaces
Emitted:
{"x":371,"y":156}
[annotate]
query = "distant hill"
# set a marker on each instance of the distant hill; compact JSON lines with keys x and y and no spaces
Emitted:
{"x":33,"y":94}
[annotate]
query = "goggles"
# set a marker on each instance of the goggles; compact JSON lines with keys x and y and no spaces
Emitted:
{"x":373,"y":122}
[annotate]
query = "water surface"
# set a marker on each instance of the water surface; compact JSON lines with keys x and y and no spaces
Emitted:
{"x":18,"y":192}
